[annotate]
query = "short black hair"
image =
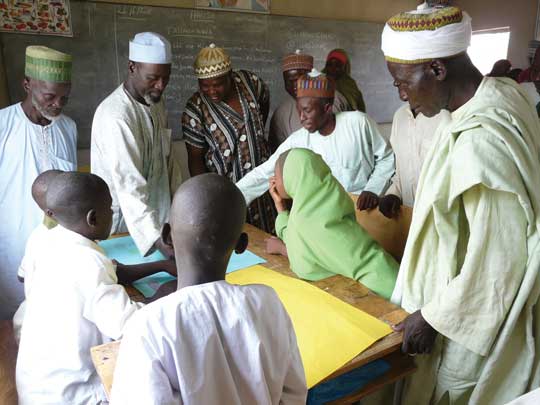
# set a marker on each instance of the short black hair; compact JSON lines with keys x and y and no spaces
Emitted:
{"x":72,"y":194}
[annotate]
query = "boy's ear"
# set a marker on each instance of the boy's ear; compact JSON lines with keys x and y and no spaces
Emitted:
{"x":166,"y":235}
{"x":91,"y":217}
{"x":242,"y":243}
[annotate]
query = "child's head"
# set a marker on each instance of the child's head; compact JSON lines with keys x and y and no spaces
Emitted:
{"x":81,"y":202}
{"x":278,"y":175}
{"x":40,"y":185}
{"x":206,"y":221}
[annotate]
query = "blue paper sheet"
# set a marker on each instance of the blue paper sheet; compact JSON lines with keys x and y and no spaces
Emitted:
{"x":150,"y":284}
{"x":123,"y":250}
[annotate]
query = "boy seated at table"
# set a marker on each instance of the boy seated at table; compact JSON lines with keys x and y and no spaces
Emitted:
{"x":35,"y":241}
{"x":320,"y":234}
{"x":210,"y":342}
{"x":75,"y":302}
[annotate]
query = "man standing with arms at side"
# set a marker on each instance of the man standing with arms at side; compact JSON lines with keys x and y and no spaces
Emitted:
{"x":469,"y":275}
{"x":131,"y":145}
{"x":411,"y":138}
{"x":34,"y":137}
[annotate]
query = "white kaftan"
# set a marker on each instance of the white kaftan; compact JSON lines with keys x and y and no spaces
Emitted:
{"x":213,"y":343}
{"x":357,"y":154}
{"x":130,"y":150}
{"x":36,"y":241}
{"x":472,"y":259}
{"x":75,"y":303}
{"x":411,"y":140}
{"x":26,"y":150}
{"x":286,"y":119}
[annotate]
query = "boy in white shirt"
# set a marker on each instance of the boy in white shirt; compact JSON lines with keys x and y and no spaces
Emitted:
{"x":35,"y":241}
{"x":210,"y":342}
{"x":75,"y":302}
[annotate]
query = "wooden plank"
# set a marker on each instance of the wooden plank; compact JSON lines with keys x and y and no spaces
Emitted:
{"x":400,"y":366}
{"x":390,"y":233}
{"x":104,"y":359}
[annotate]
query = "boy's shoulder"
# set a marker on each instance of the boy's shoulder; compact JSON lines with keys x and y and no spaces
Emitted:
{"x":68,"y":247}
{"x":216,"y":295}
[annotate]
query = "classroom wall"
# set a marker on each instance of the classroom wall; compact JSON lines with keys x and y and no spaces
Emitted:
{"x":361,"y":10}
{"x":519,"y":15}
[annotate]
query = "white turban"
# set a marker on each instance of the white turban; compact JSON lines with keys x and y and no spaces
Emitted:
{"x":425,"y":34}
{"x":149,"y":47}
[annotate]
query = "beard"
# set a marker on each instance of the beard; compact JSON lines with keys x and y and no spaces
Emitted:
{"x":43,"y":111}
{"x":151,"y":99}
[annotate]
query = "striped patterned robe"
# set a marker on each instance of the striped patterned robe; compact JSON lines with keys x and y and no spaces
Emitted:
{"x":235,"y":143}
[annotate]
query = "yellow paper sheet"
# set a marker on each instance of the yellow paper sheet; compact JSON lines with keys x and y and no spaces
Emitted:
{"x":329,"y":331}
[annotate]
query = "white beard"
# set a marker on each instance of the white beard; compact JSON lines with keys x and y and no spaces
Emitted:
{"x":42,"y":112}
{"x":148,"y":100}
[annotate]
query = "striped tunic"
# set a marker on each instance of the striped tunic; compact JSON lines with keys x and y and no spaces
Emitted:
{"x":234,"y":143}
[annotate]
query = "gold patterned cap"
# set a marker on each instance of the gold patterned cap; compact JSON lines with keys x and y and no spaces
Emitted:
{"x":425,"y":34}
{"x":436,"y":18}
{"x":47,"y":64}
{"x":212,"y":62}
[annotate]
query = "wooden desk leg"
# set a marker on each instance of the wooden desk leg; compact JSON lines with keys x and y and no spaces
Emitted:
{"x":400,"y":367}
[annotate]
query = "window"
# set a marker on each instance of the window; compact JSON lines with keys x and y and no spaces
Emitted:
{"x":489,"y":46}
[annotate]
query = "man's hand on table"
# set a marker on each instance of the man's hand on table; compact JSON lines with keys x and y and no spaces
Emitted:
{"x":418,"y":335}
{"x":367,"y":200}
{"x":389,"y":205}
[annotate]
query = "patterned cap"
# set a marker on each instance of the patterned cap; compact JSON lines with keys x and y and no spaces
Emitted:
{"x":212,"y":62}
{"x":297,"y":60}
{"x":425,"y":34}
{"x":46,"y":64}
{"x":315,"y":84}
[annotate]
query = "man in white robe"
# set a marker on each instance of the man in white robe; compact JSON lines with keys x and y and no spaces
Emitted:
{"x":286,"y":118}
{"x":131,"y":144}
{"x":34,"y":137}
{"x":210,"y":342}
{"x":411,"y":138}
{"x":349,"y":142}
{"x":469,"y":274}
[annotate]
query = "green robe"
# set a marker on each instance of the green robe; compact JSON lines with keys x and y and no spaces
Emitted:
{"x":347,"y":86}
{"x":321,"y":232}
{"x":472,"y":257}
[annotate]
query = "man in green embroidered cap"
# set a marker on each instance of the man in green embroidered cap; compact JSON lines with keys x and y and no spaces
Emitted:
{"x":34,"y":137}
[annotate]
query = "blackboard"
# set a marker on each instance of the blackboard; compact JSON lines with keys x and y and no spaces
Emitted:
{"x":255,"y":42}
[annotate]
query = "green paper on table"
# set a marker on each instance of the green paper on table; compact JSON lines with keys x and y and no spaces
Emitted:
{"x":123,"y":250}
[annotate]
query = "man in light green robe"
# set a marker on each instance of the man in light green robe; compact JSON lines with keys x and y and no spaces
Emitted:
{"x":470,"y":272}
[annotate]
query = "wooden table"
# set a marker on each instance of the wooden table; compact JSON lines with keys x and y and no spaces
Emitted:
{"x":346,"y":289}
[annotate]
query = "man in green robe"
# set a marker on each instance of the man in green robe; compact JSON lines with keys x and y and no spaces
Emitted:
{"x":470,"y":272}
